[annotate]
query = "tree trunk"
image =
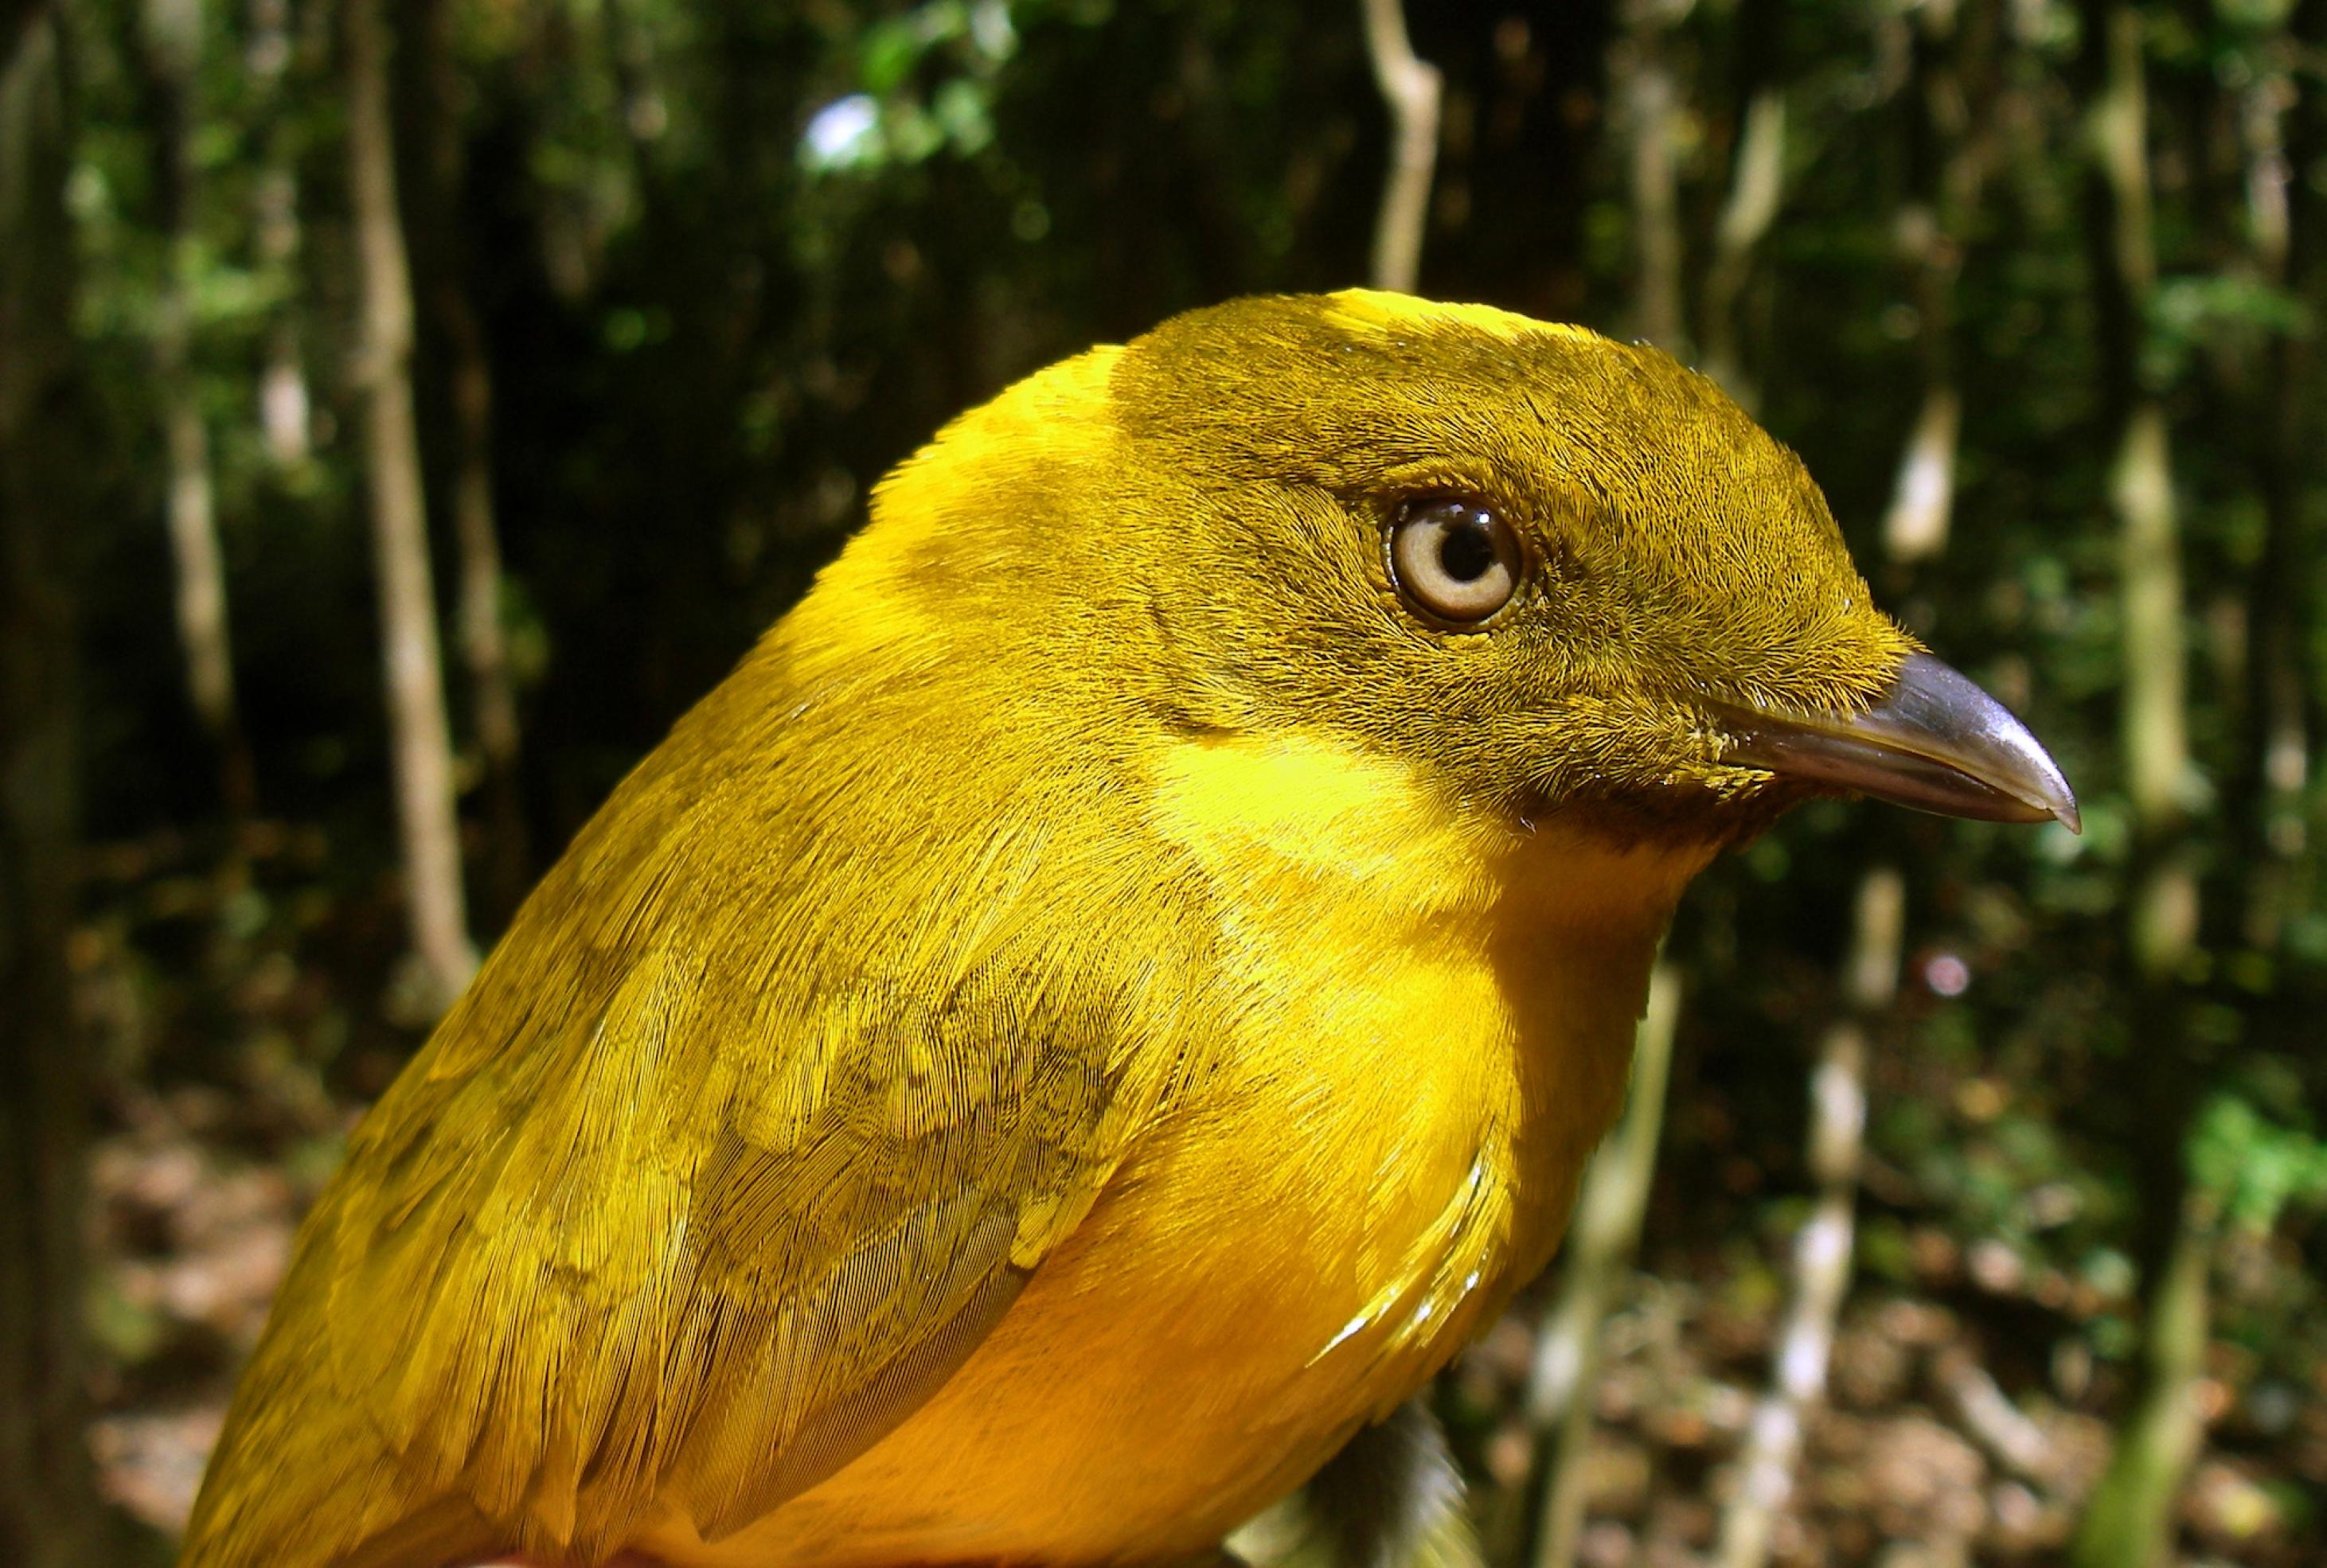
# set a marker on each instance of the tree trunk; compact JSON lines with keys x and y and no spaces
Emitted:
{"x":2128,"y":1523}
{"x":1951,"y":142}
{"x":1651,"y":117}
{"x":2275,"y":770}
{"x":1600,"y":1241}
{"x":484,"y":647}
{"x":428,"y":822}
{"x":283,"y":404}
{"x":1823,"y":1247}
{"x":170,"y":40}
{"x":1410,"y":86}
{"x":1756,"y":184}
{"x":48,"y":1510}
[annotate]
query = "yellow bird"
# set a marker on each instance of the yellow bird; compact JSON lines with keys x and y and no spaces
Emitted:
{"x":1117,"y":987}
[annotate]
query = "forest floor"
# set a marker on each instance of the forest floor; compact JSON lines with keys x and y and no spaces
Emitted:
{"x":1961,"y":1425}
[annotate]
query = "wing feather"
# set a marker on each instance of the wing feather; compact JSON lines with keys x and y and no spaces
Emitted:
{"x":692,"y":1198}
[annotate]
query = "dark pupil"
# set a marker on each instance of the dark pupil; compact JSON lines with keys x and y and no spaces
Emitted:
{"x":1465,"y":551}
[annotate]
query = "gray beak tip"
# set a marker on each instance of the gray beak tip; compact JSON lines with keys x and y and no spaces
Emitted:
{"x":1934,"y":742}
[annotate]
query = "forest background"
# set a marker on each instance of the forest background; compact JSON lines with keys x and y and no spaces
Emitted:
{"x":406,"y":410}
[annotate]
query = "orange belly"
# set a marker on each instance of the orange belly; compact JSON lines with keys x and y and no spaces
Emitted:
{"x":1272,"y":1268}
{"x":1147,"y":1392}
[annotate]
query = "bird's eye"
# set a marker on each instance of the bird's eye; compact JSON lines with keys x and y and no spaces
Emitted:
{"x":1454,"y":560}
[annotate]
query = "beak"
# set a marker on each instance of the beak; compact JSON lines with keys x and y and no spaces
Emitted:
{"x":1935,"y":741}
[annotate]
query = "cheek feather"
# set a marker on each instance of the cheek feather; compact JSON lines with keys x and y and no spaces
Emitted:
{"x":1310,"y":817}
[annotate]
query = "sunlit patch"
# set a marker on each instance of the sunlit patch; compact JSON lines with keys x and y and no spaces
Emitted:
{"x":842,"y":133}
{"x":1370,"y":310}
{"x":1348,"y":1328}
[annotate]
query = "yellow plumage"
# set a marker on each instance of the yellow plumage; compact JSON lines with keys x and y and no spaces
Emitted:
{"x":1097,"y":1007}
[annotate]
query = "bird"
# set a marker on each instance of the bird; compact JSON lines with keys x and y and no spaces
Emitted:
{"x":1115,"y":987}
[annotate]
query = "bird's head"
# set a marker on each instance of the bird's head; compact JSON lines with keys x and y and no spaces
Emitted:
{"x":1568,"y":572}
{"x":1561,"y":575}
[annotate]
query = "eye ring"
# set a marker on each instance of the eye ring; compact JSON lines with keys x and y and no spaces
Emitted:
{"x":1456,"y":562}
